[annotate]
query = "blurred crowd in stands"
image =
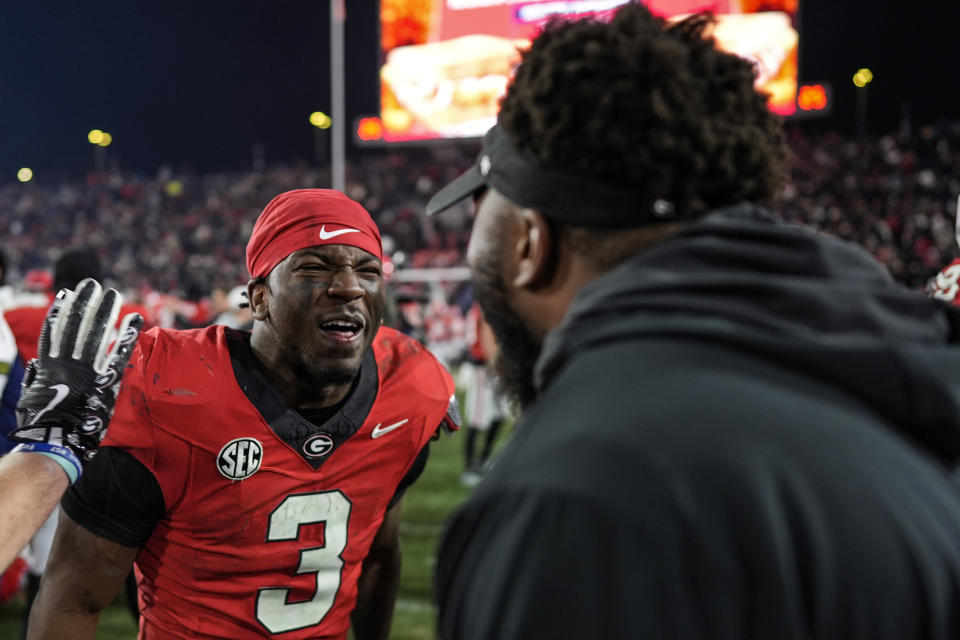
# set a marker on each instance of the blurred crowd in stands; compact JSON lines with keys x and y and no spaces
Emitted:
{"x":176,"y":243}
{"x":895,"y":195}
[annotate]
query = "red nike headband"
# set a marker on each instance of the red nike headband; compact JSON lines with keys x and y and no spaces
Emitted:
{"x":304,"y":218}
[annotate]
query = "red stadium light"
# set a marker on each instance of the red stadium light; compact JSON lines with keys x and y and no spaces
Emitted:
{"x":813,"y":97}
{"x":369,"y":129}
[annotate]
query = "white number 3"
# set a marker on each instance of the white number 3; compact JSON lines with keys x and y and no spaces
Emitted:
{"x":331,"y":508}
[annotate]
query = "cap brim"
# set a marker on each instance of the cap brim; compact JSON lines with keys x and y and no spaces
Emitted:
{"x":467,"y":184}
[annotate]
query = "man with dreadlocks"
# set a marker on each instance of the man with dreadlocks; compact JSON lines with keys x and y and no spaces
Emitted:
{"x":733,"y":428}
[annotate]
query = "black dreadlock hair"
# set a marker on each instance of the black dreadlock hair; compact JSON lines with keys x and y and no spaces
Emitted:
{"x":642,"y":103}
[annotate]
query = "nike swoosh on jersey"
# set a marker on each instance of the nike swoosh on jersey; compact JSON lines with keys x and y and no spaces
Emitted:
{"x":377,"y":431}
{"x":326,"y":235}
{"x":60,"y":392}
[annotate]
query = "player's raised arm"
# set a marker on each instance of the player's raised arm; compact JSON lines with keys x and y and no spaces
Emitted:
{"x":66,"y":404}
{"x":31,"y":486}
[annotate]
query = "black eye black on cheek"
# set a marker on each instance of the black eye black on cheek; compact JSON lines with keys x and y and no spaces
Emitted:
{"x":373,"y":286}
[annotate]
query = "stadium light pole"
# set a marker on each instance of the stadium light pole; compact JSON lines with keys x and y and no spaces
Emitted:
{"x":100,"y":141}
{"x":338,"y":15}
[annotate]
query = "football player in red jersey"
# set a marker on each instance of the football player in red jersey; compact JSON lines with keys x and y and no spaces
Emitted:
{"x":255,"y":478}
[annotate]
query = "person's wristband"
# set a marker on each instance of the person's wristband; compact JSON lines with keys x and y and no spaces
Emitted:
{"x":61,"y":455}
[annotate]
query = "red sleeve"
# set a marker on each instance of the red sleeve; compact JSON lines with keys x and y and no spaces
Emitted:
{"x":26,"y":323}
{"x":133,"y":429}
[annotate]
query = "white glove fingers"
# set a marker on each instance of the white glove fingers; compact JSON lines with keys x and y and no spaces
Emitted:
{"x":55,"y":323}
{"x":43,"y":345}
{"x":101,"y":331}
{"x":89,"y":293}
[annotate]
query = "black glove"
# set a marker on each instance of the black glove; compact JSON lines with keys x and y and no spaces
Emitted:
{"x":69,"y":390}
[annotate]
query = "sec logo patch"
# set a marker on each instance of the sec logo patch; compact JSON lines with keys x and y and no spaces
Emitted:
{"x":240,"y":458}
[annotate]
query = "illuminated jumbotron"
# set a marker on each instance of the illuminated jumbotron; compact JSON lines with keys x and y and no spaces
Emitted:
{"x":447,"y":62}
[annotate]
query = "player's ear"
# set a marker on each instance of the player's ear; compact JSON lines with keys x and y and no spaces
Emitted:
{"x":534,"y":250}
{"x":257,"y":292}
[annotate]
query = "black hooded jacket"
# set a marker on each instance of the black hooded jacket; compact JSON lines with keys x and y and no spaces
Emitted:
{"x":747,"y":431}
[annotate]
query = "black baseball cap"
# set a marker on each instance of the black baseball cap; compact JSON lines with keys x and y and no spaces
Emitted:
{"x":559,"y":194}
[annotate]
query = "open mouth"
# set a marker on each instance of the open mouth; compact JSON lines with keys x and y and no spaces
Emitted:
{"x":342,"y":329}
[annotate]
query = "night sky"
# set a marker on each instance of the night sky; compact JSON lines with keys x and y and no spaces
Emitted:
{"x":197,"y":83}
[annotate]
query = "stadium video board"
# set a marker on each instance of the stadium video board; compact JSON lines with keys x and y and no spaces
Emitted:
{"x":446,"y":63}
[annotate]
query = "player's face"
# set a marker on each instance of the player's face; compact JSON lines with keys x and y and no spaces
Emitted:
{"x":325,"y":306}
{"x":518,"y":349}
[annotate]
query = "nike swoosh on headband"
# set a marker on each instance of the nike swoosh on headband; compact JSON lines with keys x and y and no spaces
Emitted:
{"x":326,"y":235}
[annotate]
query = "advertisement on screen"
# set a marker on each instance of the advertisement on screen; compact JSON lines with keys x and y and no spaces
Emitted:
{"x":446,"y":63}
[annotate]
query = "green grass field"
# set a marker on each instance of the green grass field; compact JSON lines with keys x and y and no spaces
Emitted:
{"x":425,"y":510}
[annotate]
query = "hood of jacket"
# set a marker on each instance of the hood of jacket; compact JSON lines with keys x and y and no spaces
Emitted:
{"x":812,"y":302}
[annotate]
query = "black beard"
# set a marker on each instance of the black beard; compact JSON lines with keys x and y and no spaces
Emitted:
{"x":310,"y":375}
{"x":330,"y":377}
{"x":518,"y":350}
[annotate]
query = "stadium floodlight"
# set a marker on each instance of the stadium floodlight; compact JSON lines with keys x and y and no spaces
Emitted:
{"x":862,"y":77}
{"x":100,"y":140}
{"x":173,"y":188}
{"x":320,"y":120}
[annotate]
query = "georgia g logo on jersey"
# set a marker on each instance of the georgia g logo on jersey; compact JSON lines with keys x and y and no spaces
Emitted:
{"x":240,"y":458}
{"x":318,"y":446}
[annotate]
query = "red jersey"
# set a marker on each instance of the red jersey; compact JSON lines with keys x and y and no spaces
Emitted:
{"x":267,"y":519}
{"x":26,"y":322}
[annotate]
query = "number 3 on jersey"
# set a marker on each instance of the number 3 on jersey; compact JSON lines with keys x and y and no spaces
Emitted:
{"x":332,"y":509}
